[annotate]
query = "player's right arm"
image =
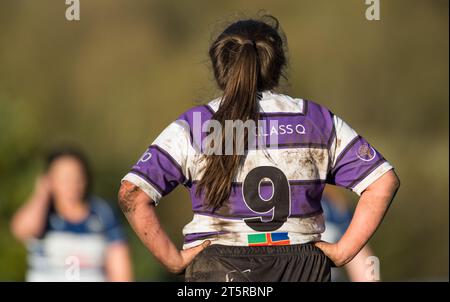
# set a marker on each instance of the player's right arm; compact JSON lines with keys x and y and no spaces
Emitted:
{"x":29,"y":221}
{"x":161,"y":168}
{"x":139,"y":209}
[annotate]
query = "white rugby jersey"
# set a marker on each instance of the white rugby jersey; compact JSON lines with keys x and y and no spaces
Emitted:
{"x":275,"y":198}
{"x":68,"y":251}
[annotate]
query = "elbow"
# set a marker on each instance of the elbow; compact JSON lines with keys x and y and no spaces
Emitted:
{"x":18,"y":231}
{"x":387,"y":185}
{"x":122,"y":196}
{"x":14,"y":229}
{"x":127,"y":197}
{"x":392,"y":184}
{"x":395,"y":182}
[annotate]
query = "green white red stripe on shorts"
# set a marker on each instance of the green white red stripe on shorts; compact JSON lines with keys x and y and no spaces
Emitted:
{"x":264,"y":239}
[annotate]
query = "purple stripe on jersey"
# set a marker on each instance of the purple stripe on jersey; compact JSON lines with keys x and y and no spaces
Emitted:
{"x":225,"y":216}
{"x":345,"y":150}
{"x":142,"y":175}
{"x":199,"y":236}
{"x":210,"y":109}
{"x":354,"y":163}
{"x":278,"y":132}
{"x":160,"y":170}
{"x":205,"y":113}
{"x":294,"y":131}
{"x":321,"y":117}
{"x":305,"y":200}
{"x":312,"y":128}
{"x":169,"y":157}
{"x":333,"y":132}
{"x":367,"y":172}
{"x":266,"y":191}
{"x":333,"y":138}
{"x":305,"y":106}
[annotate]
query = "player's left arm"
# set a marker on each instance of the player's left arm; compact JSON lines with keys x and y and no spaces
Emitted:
{"x":139,"y":209}
{"x":372,"y":206}
{"x":357,"y":166}
{"x":118,"y":262}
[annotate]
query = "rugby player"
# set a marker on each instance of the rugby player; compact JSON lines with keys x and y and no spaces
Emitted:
{"x":70,"y":234}
{"x":256,"y":216}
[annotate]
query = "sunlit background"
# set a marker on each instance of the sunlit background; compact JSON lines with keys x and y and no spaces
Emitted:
{"x":112,"y":81}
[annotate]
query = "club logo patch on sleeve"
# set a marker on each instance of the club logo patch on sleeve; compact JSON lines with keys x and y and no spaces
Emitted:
{"x":366,"y":152}
{"x":145,"y":157}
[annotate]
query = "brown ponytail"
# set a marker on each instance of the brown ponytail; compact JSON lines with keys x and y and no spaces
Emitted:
{"x":247,"y":58}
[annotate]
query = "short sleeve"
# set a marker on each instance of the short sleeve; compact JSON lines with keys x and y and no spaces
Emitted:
{"x":354,"y":163}
{"x":163,"y":166}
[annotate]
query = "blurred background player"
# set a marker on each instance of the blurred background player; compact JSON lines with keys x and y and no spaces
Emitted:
{"x":70,"y":234}
{"x":338,"y":216}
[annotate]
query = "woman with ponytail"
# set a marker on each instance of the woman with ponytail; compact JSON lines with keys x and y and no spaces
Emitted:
{"x":256,"y":163}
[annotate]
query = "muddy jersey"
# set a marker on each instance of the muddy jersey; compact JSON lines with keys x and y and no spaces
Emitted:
{"x":276,"y":194}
